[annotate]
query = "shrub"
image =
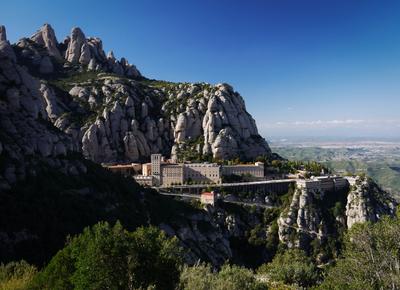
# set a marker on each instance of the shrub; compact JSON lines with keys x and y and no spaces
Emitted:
{"x":201,"y":277}
{"x":291,"y":267}
{"x":105,"y":257}
{"x":16,"y":275}
{"x":370,"y":259}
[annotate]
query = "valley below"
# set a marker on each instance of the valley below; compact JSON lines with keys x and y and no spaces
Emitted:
{"x":377,"y":158}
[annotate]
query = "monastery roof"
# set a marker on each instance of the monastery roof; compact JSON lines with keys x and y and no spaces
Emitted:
{"x":208,"y":193}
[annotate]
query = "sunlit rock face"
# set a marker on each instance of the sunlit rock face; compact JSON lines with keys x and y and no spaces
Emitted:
{"x":60,"y":97}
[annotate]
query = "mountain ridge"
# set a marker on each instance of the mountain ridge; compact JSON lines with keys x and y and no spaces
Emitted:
{"x":132,"y":116}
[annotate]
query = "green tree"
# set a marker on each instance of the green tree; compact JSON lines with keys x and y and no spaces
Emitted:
{"x":201,"y":277}
{"x":16,"y":275}
{"x":371,"y":258}
{"x":236,"y":278}
{"x":291,"y":267}
{"x":58,"y":273}
{"x":157,"y":259}
{"x":105,"y":257}
{"x":197,"y":277}
{"x":101,"y":258}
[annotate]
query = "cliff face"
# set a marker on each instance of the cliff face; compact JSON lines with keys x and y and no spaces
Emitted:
{"x":26,"y":107}
{"x":302,"y":220}
{"x":313,"y":217}
{"x":103,"y":107}
{"x":367,"y":202}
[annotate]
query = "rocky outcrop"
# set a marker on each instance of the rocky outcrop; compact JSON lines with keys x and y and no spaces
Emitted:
{"x":78,"y":49}
{"x":203,"y":237}
{"x":316,"y":214}
{"x":133,"y":120}
{"x":3,"y":34}
{"x":213,"y":122}
{"x":367,"y":202}
{"x":89,"y":51}
{"x":111,"y":115}
{"x":27,"y":108}
{"x":302,"y":221}
{"x":46,"y":37}
{"x":208,"y":233}
{"x":226,"y":123}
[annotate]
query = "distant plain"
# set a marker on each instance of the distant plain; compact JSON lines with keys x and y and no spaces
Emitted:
{"x":378,"y":158}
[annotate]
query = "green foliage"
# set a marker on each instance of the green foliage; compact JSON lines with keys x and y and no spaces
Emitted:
{"x":257,"y":235}
{"x":291,"y":267}
{"x":51,"y":205}
{"x":284,"y":200}
{"x":198,"y":277}
{"x":289,"y":166}
{"x":272,"y":241}
{"x":201,"y":277}
{"x":105,"y":257}
{"x":236,"y":278}
{"x":370,"y":259}
{"x":157,"y":83}
{"x":67,"y":80}
{"x":57,"y":274}
{"x":16,"y":275}
{"x":187,"y":151}
{"x":338,"y":209}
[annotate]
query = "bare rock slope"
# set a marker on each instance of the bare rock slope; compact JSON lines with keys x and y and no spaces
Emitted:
{"x":112,"y":113}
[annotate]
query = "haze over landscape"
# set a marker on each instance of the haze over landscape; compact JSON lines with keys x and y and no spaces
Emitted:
{"x":305,"y":68}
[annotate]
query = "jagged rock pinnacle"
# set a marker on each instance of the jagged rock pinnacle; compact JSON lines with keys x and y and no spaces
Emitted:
{"x":45,"y":36}
{"x":3,"y":35}
{"x":110,"y":55}
{"x":78,"y":49}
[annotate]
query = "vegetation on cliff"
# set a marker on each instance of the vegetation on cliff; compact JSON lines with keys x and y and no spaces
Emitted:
{"x":110,"y":257}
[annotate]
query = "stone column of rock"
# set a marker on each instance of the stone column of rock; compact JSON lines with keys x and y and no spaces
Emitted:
{"x":46,"y":37}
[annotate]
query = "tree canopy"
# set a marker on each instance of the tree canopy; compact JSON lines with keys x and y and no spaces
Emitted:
{"x":109,"y":257}
{"x":291,"y":267}
{"x":371,"y":259}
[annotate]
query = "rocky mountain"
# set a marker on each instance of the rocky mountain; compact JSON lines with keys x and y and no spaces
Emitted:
{"x":109,"y":112}
{"x":60,"y":102}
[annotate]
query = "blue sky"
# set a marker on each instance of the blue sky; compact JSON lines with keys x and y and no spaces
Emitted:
{"x":304,"y":67}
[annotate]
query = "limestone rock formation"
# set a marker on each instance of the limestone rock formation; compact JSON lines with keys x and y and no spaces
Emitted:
{"x":46,"y":37}
{"x":3,"y":35}
{"x":78,"y":48}
{"x":367,"y":202}
{"x":27,"y":108}
{"x":307,"y":217}
{"x":302,"y":221}
{"x":129,"y":118}
{"x":109,"y":114}
{"x":46,"y":66}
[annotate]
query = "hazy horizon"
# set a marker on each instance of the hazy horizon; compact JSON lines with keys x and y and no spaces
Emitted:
{"x":310,"y":138}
